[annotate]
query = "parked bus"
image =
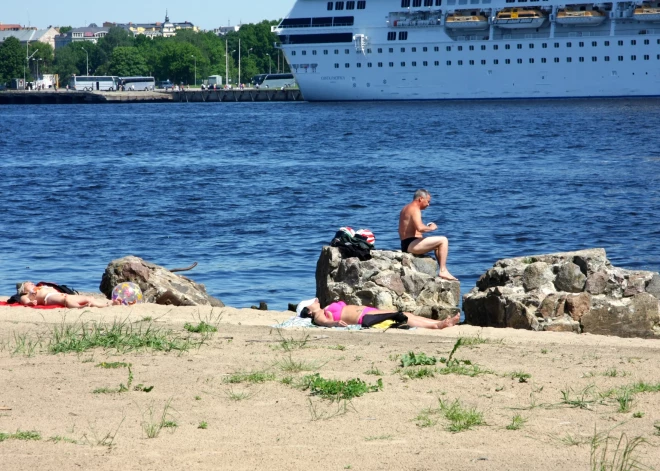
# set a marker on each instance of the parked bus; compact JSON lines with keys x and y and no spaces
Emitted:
{"x":137,"y":83}
{"x":274,"y":80}
{"x":88,"y":83}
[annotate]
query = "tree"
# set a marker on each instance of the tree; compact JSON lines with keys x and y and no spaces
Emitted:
{"x":12,"y":59}
{"x":44,"y":52}
{"x":176,"y":62}
{"x":116,"y":37}
{"x":65,"y":29}
{"x":127,"y":62}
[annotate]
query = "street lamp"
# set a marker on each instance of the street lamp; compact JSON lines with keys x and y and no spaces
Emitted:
{"x":27,"y":64}
{"x":230,"y":53}
{"x":36,"y":60}
{"x":195,"y":69}
{"x":270,"y":64}
{"x":87,"y":59}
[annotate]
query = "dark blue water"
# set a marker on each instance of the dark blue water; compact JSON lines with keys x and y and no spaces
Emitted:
{"x":252,"y":191}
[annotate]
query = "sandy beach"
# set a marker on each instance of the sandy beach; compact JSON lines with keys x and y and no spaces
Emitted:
{"x":238,"y":398}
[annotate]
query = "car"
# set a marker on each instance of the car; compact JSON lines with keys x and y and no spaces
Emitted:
{"x":165,"y":85}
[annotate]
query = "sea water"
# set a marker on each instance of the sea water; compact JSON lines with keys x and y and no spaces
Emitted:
{"x":252,"y":191}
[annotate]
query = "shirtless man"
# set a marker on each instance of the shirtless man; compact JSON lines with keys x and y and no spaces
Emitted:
{"x":411,"y":229}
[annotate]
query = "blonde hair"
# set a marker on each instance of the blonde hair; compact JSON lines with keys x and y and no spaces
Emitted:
{"x":20,"y":288}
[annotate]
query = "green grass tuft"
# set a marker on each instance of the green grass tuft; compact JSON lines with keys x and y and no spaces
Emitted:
{"x":20,"y":435}
{"x":336,"y":390}
{"x":201,"y":328}
{"x":416,"y":359}
{"x":460,"y":418}
{"x":254,"y":377}
{"x":516,"y":422}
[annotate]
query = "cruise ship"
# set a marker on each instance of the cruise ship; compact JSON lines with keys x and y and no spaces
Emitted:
{"x":472,"y":49}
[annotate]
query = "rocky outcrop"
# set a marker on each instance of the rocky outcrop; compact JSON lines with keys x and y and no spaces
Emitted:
{"x":389,"y":280}
{"x":158,"y":284}
{"x":571,"y":291}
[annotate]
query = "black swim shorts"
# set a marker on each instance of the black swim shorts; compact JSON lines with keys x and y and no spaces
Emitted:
{"x":405,"y":243}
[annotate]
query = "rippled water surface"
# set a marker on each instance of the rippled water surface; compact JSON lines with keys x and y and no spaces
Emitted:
{"x":252,"y":191}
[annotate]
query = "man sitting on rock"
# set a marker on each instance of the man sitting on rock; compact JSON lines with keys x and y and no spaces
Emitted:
{"x":411,"y":229}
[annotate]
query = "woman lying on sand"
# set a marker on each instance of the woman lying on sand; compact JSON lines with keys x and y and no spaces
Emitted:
{"x":340,"y":314}
{"x":33,"y":295}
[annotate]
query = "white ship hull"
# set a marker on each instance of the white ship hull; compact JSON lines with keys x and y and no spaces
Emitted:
{"x":607,"y":60}
{"x":580,"y":20}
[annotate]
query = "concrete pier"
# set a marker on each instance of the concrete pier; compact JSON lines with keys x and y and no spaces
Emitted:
{"x":57,"y":97}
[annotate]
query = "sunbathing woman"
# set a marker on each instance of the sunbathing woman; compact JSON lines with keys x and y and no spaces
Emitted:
{"x":33,"y":295}
{"x":340,"y":314}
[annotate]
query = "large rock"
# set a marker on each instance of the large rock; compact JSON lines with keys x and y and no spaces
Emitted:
{"x":158,"y":284}
{"x":568,"y":292}
{"x":390,"y":280}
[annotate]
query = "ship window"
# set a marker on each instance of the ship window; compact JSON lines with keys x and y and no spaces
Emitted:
{"x":380,"y":64}
{"x":417,"y":3}
{"x":293,"y":53}
{"x":414,"y":49}
{"x":607,"y":58}
{"x":646,"y":41}
{"x":471,"y":48}
{"x":448,"y":48}
{"x":483,"y":47}
{"x":569,"y":44}
{"x":391,"y":36}
{"x":556,"y":44}
{"x":658,"y":57}
{"x":403,"y":64}
{"x":369,"y":64}
{"x":369,"y":51}
{"x":425,"y":63}
{"x":438,"y":3}
{"x":460,"y":48}
{"x":358,"y":65}
{"x":339,"y":5}
{"x":581,"y":44}
{"x":620,"y":43}
{"x":350,"y":5}
{"x":330,"y":5}
{"x":391,"y":50}
{"x":495,"y":61}
{"x":510,"y":1}
{"x":507,"y":61}
{"x":448,"y":62}
{"x":620,"y":58}
{"x":380,"y":50}
{"x":362,"y":4}
{"x":325,"y":52}
{"x":347,"y":51}
{"x":607,"y":43}
{"x":507,"y":46}
{"x":633,"y":42}
{"x":495,"y":47}
{"x":425,"y":49}
{"x":405,"y":3}
{"x":314,"y":52}
{"x":658,"y":41}
{"x":519,"y":61}
{"x":594,"y":43}
{"x":633,"y":58}
{"x":483,"y":61}
{"x":428,"y":3}
{"x":471,"y":62}
{"x":646,"y":57}
{"x":336,"y":65}
{"x":347,"y":65}
{"x":531,"y":60}
{"x":594,"y":59}
{"x":556,"y":59}
{"x":336,"y":51}
{"x":403,"y":49}
{"x":519,"y":46}
{"x":403,"y":35}
{"x":544,"y":45}
{"x":391,"y":64}
{"x":581,"y":59}
{"x":460,"y":62}
{"x":436,"y":48}
{"x":414,"y":64}
{"x":569,"y":59}
{"x":543,"y":60}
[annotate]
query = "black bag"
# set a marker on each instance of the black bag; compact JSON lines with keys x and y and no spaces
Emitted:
{"x":399,"y":318}
{"x":351,"y":246}
{"x":61,"y":288}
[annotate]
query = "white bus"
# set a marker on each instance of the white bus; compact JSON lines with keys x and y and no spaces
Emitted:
{"x":88,"y":83}
{"x":274,"y":80}
{"x":137,"y":83}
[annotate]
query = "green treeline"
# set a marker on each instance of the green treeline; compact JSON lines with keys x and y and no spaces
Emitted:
{"x":176,"y":58}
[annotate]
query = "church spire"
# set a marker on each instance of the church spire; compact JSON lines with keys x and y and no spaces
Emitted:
{"x":167,"y":18}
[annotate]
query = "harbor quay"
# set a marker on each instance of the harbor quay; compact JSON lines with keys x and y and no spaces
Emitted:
{"x":57,"y":97}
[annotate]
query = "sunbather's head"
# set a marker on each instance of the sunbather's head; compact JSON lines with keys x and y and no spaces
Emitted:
{"x":309,"y":309}
{"x":25,"y":288}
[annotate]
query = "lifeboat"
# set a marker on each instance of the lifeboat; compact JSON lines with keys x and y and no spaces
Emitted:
{"x":466,"y":21}
{"x":647,"y":13}
{"x":519,"y":18}
{"x":582,"y":18}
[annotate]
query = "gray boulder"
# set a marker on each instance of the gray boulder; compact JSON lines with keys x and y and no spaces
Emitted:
{"x":566,"y":292}
{"x":158,"y":284}
{"x":390,"y":280}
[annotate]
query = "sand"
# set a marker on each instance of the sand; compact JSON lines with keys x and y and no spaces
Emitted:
{"x":274,"y":425}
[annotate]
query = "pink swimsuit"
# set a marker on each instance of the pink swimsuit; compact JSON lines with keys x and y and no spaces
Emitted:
{"x":337,"y":308}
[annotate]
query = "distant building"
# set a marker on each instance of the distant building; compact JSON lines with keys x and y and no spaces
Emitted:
{"x":4,"y":27}
{"x":222,"y":30}
{"x":91,"y":33}
{"x":153,"y":30}
{"x":46,"y":36}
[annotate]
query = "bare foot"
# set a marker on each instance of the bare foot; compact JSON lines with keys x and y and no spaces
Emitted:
{"x":449,"y":322}
{"x":445,"y":275}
